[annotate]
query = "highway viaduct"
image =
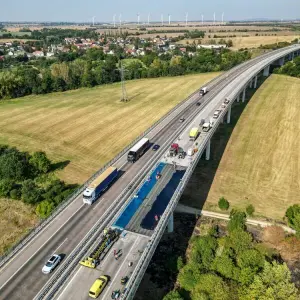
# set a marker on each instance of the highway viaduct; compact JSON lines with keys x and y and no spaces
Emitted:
{"x":74,"y":230}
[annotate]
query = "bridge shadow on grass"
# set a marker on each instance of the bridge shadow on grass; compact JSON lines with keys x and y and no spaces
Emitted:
{"x":162,"y":271}
{"x":197,"y":189}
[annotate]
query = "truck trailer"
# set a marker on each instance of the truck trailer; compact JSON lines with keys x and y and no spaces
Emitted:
{"x":138,"y":150}
{"x":194,"y":133}
{"x":99,"y":185}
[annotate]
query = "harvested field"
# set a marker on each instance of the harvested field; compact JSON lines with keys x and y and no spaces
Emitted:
{"x":88,"y":127}
{"x":260,"y":164}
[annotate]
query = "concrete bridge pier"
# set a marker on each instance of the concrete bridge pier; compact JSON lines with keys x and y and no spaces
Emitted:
{"x":293,"y":55}
{"x":207,"y":152}
{"x":228,"y":114}
{"x":267,"y":71}
{"x":251,"y":83}
{"x":281,"y":61}
{"x":238,"y":98}
{"x":255,"y":82}
{"x":244,"y":95}
{"x":171,"y":223}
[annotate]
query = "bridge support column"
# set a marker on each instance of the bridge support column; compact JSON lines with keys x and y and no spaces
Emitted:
{"x":281,"y":61}
{"x":207,"y":152}
{"x":244,"y":95}
{"x":293,"y":55}
{"x":267,"y":71}
{"x":255,"y":82}
{"x":228,"y":114}
{"x":238,"y":98}
{"x":251,"y":82}
{"x":171,"y":223}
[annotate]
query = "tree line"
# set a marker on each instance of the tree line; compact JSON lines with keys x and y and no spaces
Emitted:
{"x":26,"y":177}
{"x":232,"y":266}
{"x":291,"y":68}
{"x":95,"y":68}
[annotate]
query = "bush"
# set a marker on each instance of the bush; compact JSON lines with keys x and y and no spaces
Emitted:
{"x":44,"y":209}
{"x":15,"y":194}
{"x":31,"y":193}
{"x":293,"y":216}
{"x":237,"y":221}
{"x":5,"y":187}
{"x":250,"y":210}
{"x":223,"y":204}
{"x":40,"y":162}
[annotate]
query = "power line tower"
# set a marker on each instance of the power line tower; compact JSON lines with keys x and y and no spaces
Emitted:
{"x":124,"y":92}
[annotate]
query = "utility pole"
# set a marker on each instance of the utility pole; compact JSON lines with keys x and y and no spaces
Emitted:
{"x":124,"y":92}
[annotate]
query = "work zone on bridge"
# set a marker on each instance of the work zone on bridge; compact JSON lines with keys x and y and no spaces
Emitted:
{"x":143,"y":212}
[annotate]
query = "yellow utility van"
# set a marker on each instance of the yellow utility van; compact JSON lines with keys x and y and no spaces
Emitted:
{"x":98,"y":286}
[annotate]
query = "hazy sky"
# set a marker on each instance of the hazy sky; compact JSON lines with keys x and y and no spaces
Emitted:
{"x":84,"y":10}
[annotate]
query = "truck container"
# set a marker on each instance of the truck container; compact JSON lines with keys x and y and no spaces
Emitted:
{"x":203,"y":91}
{"x":138,"y":150}
{"x":99,"y":185}
{"x":194,"y":133}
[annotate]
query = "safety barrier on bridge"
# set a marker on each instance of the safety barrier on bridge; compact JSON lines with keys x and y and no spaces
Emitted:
{"x":31,"y":234}
{"x":14,"y":250}
{"x":144,"y":261}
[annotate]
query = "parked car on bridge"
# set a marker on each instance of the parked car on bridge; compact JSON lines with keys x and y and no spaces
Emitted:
{"x":51,"y":264}
{"x":181,"y":120}
{"x":227,"y":100}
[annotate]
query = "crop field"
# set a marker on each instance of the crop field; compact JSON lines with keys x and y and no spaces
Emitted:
{"x":260,"y":164}
{"x":246,"y":42}
{"x":88,"y":127}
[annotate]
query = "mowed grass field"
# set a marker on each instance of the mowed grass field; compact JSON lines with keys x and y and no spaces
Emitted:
{"x":88,"y":127}
{"x":261,"y":163}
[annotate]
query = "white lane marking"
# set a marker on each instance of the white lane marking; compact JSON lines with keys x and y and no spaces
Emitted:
{"x":129,"y":252}
{"x":69,"y":283}
{"x":60,"y":245}
{"x":99,"y":201}
{"x":40,"y":248}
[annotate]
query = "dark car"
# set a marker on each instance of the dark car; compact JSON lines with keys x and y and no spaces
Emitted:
{"x":155,"y":147}
{"x":198,"y":103}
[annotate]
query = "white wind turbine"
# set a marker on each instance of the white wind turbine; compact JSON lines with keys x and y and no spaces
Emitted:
{"x":186,"y":18}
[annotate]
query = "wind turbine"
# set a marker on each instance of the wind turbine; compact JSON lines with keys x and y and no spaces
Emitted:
{"x":138,"y":18}
{"x":162,"y":19}
{"x":169,"y":19}
{"x":148,"y":18}
{"x":223,"y":18}
{"x":214,"y":18}
{"x":93,"y":20}
{"x":186,"y":18}
{"x":120,"y":19}
{"x":202,"y":19}
{"x":114,"y":20}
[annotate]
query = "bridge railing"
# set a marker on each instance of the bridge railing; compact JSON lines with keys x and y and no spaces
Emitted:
{"x":148,"y":252}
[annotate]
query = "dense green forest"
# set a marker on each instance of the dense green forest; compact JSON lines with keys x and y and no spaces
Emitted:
{"x":76,"y":69}
{"x":232,"y":266}
{"x":27,"y":177}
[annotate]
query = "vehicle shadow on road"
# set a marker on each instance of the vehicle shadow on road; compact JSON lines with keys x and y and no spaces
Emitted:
{"x":198,"y":187}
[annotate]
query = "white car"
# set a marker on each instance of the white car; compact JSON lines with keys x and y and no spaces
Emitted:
{"x":51,"y":264}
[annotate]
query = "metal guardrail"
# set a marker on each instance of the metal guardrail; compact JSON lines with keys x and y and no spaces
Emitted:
{"x":87,"y":242}
{"x":51,"y":288}
{"x":15,"y":249}
{"x":144,"y":261}
{"x":31,"y":234}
